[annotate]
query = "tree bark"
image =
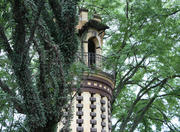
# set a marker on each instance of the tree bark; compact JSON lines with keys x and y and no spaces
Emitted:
{"x":50,"y":127}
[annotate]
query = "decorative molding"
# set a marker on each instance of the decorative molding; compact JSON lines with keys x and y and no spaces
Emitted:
{"x":79,"y":98}
{"x":93,"y":121}
{"x":98,"y":91}
{"x":103,"y":101}
{"x":89,"y":83}
{"x":98,"y":79}
{"x":103,"y":130}
{"x":103,"y":109}
{"x":80,"y":121}
{"x":92,"y":106}
{"x":93,"y":114}
{"x":79,"y":105}
{"x":80,"y":129}
{"x":100,"y":75}
{"x":93,"y":99}
{"x":95,"y":84}
{"x":103,"y":124}
{"x":103,"y":116}
{"x":93,"y":129}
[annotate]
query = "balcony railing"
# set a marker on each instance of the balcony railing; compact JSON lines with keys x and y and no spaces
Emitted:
{"x":95,"y":62}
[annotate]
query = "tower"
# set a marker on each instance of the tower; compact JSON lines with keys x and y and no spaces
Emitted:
{"x":92,"y":104}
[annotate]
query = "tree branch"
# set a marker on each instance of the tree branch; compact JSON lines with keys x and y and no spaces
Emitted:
{"x":6,"y":89}
{"x":5,"y":43}
{"x":126,"y":77}
{"x":138,"y":118}
{"x":16,"y":102}
{"x":127,"y":9}
{"x":34,"y":27}
{"x":56,"y":8}
{"x":172,"y":13}
{"x":114,"y":126}
{"x":166,"y":120}
{"x":19,"y":12}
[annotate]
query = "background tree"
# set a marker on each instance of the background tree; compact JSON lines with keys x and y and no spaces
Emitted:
{"x":38,"y":44}
{"x":143,"y":48}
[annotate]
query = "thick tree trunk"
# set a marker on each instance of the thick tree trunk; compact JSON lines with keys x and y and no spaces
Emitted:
{"x":51,"y":127}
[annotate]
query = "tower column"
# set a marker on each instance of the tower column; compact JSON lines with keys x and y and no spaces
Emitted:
{"x":98,"y":112}
{"x":86,"y":110}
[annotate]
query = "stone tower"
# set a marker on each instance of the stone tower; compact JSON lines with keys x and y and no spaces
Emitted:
{"x":92,"y":104}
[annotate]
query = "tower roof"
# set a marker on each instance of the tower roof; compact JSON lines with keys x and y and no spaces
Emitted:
{"x":93,"y":24}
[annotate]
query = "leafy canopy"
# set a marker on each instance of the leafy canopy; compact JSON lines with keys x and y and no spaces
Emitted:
{"x":143,"y":48}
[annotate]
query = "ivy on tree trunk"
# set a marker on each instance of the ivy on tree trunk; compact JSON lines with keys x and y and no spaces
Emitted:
{"x":40,"y":41}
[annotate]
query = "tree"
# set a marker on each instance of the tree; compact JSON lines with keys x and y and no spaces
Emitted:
{"x":143,"y":46}
{"x":38,"y":43}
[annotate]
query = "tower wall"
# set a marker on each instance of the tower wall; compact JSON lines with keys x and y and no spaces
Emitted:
{"x":91,"y":106}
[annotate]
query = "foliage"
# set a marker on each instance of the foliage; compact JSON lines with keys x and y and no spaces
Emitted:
{"x":38,"y":43}
{"x":143,"y":46}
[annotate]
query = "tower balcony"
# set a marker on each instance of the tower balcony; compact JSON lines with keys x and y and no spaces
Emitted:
{"x":96,"y":63}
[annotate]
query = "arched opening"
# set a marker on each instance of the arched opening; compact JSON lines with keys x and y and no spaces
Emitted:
{"x":91,"y":52}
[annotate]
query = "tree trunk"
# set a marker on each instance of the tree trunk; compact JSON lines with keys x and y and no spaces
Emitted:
{"x":51,"y":127}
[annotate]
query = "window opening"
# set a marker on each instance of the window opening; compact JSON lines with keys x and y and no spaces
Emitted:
{"x":91,"y":52}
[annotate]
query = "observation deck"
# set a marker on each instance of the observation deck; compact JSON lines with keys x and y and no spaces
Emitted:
{"x":96,"y":63}
{"x":97,"y":79}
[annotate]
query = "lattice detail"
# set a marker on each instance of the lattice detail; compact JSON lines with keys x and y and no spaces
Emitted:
{"x":79,"y":98}
{"x":79,"y":113}
{"x":80,"y":129}
{"x":79,"y":121}
{"x":93,"y":114}
{"x":103,"y":109}
{"x":103,"y":116}
{"x":92,"y":121}
{"x":109,"y":117}
{"x":93,"y":99}
{"x":93,"y":107}
{"x":93,"y":129}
